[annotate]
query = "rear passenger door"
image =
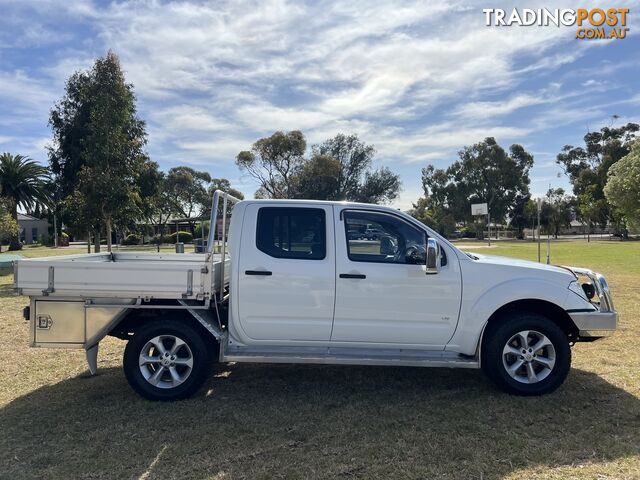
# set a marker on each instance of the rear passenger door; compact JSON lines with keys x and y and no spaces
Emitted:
{"x":287,"y":272}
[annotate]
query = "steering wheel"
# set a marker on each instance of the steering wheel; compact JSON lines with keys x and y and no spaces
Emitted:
{"x":412,"y":255}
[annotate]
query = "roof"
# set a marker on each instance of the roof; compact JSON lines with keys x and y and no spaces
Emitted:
{"x":25,"y":217}
{"x":323,"y":202}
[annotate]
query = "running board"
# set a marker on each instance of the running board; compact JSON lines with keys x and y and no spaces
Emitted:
{"x":350,"y":356}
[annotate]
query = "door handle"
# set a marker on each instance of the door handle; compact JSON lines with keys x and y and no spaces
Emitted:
{"x":352,"y":275}
{"x":258,"y":272}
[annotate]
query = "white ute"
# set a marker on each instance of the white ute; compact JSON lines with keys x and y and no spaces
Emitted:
{"x":302,"y":282}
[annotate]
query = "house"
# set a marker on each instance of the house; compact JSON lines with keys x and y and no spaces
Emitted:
{"x":31,"y":228}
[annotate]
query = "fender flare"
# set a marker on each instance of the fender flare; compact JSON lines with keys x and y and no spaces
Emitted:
{"x":474,"y":317}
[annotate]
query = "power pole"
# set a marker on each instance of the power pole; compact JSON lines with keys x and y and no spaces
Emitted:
{"x":539,"y":208}
{"x":549,"y":232}
{"x":55,"y":231}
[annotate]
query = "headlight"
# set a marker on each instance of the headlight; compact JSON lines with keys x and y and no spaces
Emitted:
{"x":594,"y":288}
{"x":577,"y":289}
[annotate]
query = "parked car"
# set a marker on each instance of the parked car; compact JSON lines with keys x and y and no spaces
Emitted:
{"x":420,"y":302}
{"x":373,"y":233}
{"x":355,"y":235}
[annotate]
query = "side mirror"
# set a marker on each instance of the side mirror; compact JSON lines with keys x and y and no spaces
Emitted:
{"x":433,"y":257}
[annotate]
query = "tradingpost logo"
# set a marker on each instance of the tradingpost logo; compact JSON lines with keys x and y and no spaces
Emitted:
{"x":591,"y":23}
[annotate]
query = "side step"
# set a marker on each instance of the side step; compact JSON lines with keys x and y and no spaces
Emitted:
{"x":349,"y":356}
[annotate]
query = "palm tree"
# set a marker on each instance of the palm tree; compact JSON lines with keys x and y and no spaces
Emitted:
{"x":24,"y":183}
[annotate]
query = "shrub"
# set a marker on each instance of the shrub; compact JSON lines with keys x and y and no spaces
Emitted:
{"x":132,"y":239}
{"x":45,"y":239}
{"x":185,"y":237}
{"x":201,"y":226}
{"x":468,"y":232}
{"x":63,"y":240}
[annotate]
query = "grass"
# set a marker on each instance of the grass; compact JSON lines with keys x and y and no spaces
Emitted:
{"x":287,"y":421}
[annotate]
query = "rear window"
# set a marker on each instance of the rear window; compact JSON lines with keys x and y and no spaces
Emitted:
{"x":298,"y":233}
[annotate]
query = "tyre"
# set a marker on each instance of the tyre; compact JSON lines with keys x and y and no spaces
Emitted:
{"x":526,"y":354}
{"x":167,"y":360}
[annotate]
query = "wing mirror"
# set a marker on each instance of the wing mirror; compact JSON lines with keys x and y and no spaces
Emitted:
{"x":433,"y":257}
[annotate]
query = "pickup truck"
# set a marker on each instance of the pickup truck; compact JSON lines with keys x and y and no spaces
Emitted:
{"x":288,"y":284}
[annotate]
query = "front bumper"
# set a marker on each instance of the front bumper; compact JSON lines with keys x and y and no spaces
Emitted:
{"x":603,"y":319}
{"x":595,"y":324}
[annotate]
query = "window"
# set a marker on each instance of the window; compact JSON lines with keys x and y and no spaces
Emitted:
{"x":298,"y":233}
{"x":378,"y":237}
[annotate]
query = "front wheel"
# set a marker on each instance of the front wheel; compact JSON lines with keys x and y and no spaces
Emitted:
{"x":167,"y":360}
{"x":526,"y":354}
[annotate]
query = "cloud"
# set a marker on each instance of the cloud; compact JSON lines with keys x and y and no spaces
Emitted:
{"x":20,"y":89}
{"x":418,"y":80}
{"x":477,"y":110}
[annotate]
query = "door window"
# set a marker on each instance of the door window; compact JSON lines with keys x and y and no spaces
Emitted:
{"x":378,"y":237}
{"x":298,"y":233}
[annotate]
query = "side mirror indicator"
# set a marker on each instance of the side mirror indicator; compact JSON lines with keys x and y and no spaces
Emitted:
{"x":433,"y":257}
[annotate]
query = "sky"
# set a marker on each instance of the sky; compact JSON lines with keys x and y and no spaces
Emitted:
{"x":418,"y":80}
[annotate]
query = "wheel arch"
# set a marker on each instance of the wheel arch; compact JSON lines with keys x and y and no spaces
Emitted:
{"x":550,"y":310}
{"x":136,"y":318}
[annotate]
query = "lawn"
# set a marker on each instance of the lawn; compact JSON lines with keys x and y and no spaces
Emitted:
{"x":280,"y":421}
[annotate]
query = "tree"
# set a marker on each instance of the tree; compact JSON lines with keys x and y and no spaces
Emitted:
{"x":104,"y":177}
{"x":485,"y":173}
{"x":273,"y":161}
{"x":591,"y":209}
{"x":318,"y":178}
{"x":622,"y":189}
{"x":187,"y":191}
{"x":23,"y":183}
{"x":224,"y":185}
{"x":342,"y":171}
{"x":353,"y":177}
{"x":421,"y":212}
{"x":557,"y":211}
{"x":379,"y":186}
{"x":338,"y":169}
{"x":587,"y":168}
{"x":161,"y":205}
{"x":434,"y":215}
{"x":9,"y":227}
{"x":519,"y":215}
{"x":531,"y":213}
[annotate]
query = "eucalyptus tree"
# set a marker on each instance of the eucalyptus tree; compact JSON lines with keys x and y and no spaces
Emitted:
{"x":104,"y":177}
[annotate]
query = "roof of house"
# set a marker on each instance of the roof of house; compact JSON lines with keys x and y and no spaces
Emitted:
{"x":24,"y":216}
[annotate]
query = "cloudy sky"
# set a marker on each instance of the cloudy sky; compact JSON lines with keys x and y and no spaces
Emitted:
{"x":417,"y":80}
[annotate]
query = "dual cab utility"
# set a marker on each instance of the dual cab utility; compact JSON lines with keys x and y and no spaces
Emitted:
{"x":288,"y":283}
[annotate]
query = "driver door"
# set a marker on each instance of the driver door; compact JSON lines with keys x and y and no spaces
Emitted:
{"x":383,"y":294}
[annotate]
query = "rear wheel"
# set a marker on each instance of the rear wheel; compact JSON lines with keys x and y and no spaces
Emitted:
{"x":167,"y":360}
{"x":526,"y":354}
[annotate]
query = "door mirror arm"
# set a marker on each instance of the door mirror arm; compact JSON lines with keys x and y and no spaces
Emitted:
{"x":433,"y":255}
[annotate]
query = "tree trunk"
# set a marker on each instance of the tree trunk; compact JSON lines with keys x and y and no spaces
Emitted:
{"x":89,"y":243}
{"x":96,"y":241}
{"x":109,"y":235}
